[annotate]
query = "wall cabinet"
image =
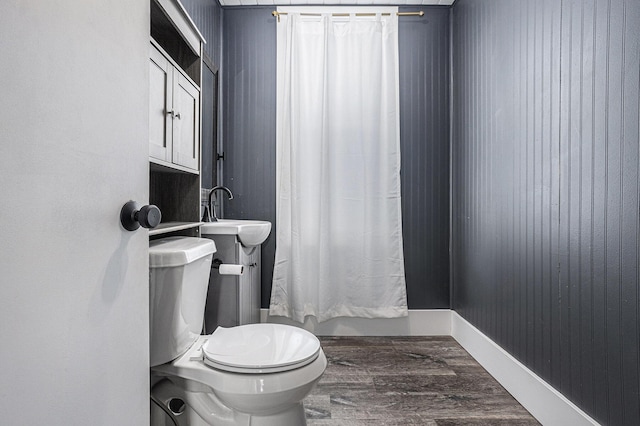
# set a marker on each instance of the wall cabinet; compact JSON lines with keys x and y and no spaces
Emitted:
{"x":174,"y":115}
{"x":175,"y":76}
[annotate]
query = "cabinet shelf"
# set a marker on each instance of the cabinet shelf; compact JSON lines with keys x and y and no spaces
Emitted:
{"x":160,"y":166}
{"x":165,"y":228}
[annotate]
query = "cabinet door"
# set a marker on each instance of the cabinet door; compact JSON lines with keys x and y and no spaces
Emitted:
{"x":186,"y":123}
{"x":160,"y":104}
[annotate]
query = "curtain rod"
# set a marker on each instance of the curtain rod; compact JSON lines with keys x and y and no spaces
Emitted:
{"x":277,"y":14}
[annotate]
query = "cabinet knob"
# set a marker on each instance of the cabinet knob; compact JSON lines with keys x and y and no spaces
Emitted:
{"x":132,"y":218}
{"x":174,"y":114}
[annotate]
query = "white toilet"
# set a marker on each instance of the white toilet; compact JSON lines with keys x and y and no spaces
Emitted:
{"x":255,"y":374}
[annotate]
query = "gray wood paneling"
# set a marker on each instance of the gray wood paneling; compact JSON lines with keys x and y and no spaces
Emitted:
{"x":249,"y":101}
{"x":207,"y":15}
{"x":249,"y":120}
{"x":210,"y":130}
{"x":545,"y":191}
{"x":424,"y":143}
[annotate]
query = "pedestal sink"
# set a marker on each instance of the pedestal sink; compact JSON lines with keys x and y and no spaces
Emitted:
{"x":250,"y":232}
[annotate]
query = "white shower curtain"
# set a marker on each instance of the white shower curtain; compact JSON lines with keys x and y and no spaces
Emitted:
{"x":338,"y":227}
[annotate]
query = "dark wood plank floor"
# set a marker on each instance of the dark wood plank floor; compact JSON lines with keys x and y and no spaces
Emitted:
{"x":408,"y":381}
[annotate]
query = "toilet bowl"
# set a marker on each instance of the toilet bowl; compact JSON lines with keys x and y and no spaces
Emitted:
{"x":256,"y":374}
{"x":262,"y":372}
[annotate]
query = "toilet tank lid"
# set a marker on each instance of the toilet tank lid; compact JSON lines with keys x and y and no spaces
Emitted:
{"x":178,"y":251}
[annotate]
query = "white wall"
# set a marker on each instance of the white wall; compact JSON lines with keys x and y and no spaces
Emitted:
{"x":73,"y":150}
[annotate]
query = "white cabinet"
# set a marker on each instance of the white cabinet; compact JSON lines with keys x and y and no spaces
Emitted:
{"x":160,"y":102}
{"x":175,"y":75}
{"x":174,"y":115}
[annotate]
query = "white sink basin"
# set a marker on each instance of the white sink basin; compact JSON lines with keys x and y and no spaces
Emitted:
{"x":250,"y":232}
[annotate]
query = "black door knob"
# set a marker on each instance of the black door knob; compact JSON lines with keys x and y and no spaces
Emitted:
{"x":132,"y":218}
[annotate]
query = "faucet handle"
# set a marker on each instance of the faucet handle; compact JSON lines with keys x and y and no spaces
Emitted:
{"x":206,"y":216}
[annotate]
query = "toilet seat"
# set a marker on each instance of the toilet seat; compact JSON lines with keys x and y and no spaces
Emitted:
{"x":260,"y":348}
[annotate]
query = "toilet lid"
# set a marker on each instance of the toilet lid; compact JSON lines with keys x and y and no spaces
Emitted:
{"x":260,"y":348}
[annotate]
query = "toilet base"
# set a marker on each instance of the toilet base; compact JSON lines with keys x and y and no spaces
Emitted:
{"x":197,"y":411}
{"x":191,"y":408}
{"x":293,"y":416}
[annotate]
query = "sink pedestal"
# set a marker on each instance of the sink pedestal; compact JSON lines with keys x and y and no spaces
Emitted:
{"x":235,"y":299}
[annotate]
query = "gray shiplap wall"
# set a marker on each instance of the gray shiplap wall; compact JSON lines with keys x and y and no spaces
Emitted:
{"x":545,"y":185}
{"x":424,"y":143}
{"x":207,"y":15}
{"x":249,"y":120}
{"x":249,"y":100}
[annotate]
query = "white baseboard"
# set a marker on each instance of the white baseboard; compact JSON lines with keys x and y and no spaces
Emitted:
{"x":545,"y":403}
{"x":428,"y":322}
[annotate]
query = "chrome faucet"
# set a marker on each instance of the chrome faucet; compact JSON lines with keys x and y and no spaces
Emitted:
{"x":212,"y":207}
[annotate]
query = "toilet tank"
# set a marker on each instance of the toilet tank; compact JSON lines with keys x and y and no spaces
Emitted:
{"x":178,"y":280}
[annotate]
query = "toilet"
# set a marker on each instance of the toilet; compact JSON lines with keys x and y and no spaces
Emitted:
{"x":252,"y":375}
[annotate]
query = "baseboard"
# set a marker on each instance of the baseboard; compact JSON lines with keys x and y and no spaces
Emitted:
{"x":427,"y":322}
{"x":545,"y":403}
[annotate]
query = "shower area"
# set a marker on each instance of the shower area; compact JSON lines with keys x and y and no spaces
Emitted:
{"x":249,"y":135}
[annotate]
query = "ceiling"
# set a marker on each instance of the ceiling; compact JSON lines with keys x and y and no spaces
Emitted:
{"x":334,"y":2}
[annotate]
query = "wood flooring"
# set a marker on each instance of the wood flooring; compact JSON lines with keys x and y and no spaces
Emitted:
{"x":391,"y":381}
